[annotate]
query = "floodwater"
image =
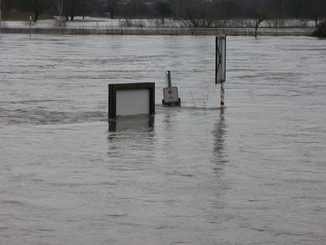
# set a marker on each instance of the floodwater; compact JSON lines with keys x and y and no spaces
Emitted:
{"x":254,"y":173}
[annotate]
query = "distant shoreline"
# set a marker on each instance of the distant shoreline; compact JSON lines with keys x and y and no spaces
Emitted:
{"x":263,"y":31}
{"x":102,"y":26}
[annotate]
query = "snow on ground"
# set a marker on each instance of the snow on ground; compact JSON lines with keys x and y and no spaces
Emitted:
{"x":92,"y":22}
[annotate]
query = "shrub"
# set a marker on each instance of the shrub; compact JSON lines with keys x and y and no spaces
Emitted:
{"x":321,"y":30}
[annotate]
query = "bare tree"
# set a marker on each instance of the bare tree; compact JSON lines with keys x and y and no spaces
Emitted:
{"x":76,"y":7}
{"x":297,"y":6}
{"x":175,"y":6}
{"x":321,"y":30}
{"x":128,"y":10}
{"x":259,"y":14}
{"x":144,"y":9}
{"x":198,"y":14}
{"x":112,"y":6}
{"x":58,"y":6}
{"x":316,"y":10}
{"x":0,"y":13}
{"x":71,"y":9}
{"x":163,"y":9}
{"x":278,"y":8}
{"x":258,"y":19}
{"x":38,"y":7}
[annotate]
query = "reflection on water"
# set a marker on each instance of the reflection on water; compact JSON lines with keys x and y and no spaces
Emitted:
{"x":219,"y":133}
{"x":130,"y":140}
{"x":220,"y":158}
{"x":177,"y":169}
{"x":127,"y":123}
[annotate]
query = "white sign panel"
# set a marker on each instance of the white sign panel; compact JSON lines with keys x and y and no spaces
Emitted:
{"x":220,"y":70}
{"x":170,"y":94}
{"x":132,"y":102}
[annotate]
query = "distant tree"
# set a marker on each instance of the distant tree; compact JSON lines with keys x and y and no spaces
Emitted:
{"x":89,"y":7}
{"x":39,"y":7}
{"x":198,"y":14}
{"x":57,"y":10}
{"x":279,"y":4}
{"x":277,"y":13}
{"x":295,"y":7}
{"x":321,"y":30}
{"x":259,"y":17}
{"x":0,"y":13}
{"x":229,"y":9}
{"x":71,"y":8}
{"x":277,"y":9}
{"x":112,"y":6}
{"x":175,"y":6}
{"x":163,"y":9}
{"x":246,"y":7}
{"x":19,"y":5}
{"x":97,"y":7}
{"x":59,"y":6}
{"x":316,"y":10}
{"x":144,"y":9}
{"x":84,"y":7}
{"x":128,"y":10}
{"x":258,"y":12}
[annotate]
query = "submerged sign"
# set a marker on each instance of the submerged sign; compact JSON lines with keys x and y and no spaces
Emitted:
{"x":131,"y":99}
{"x":170,"y":94}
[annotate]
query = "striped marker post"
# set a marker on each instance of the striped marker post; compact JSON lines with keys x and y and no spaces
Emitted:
{"x":220,"y":65}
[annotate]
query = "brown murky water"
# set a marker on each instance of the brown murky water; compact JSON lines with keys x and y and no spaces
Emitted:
{"x":253,"y":174}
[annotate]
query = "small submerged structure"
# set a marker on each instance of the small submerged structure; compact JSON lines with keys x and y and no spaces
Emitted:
{"x":171,"y":97}
{"x":131,"y":99}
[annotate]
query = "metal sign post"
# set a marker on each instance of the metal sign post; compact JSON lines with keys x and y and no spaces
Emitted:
{"x":170,"y":93}
{"x":220,"y":65}
{"x":168,"y":79}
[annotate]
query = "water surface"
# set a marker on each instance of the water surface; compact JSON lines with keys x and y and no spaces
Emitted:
{"x":251,"y":174}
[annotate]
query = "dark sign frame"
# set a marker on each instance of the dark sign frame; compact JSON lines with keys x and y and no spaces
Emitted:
{"x":112,"y":95}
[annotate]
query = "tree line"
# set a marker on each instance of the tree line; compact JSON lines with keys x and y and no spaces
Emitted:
{"x":195,"y":13}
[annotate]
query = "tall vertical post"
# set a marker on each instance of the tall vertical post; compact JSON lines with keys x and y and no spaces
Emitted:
{"x":170,"y":93}
{"x":0,"y":12}
{"x":30,"y":26}
{"x":222,"y":96}
{"x":168,"y":79}
{"x":220,"y":65}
